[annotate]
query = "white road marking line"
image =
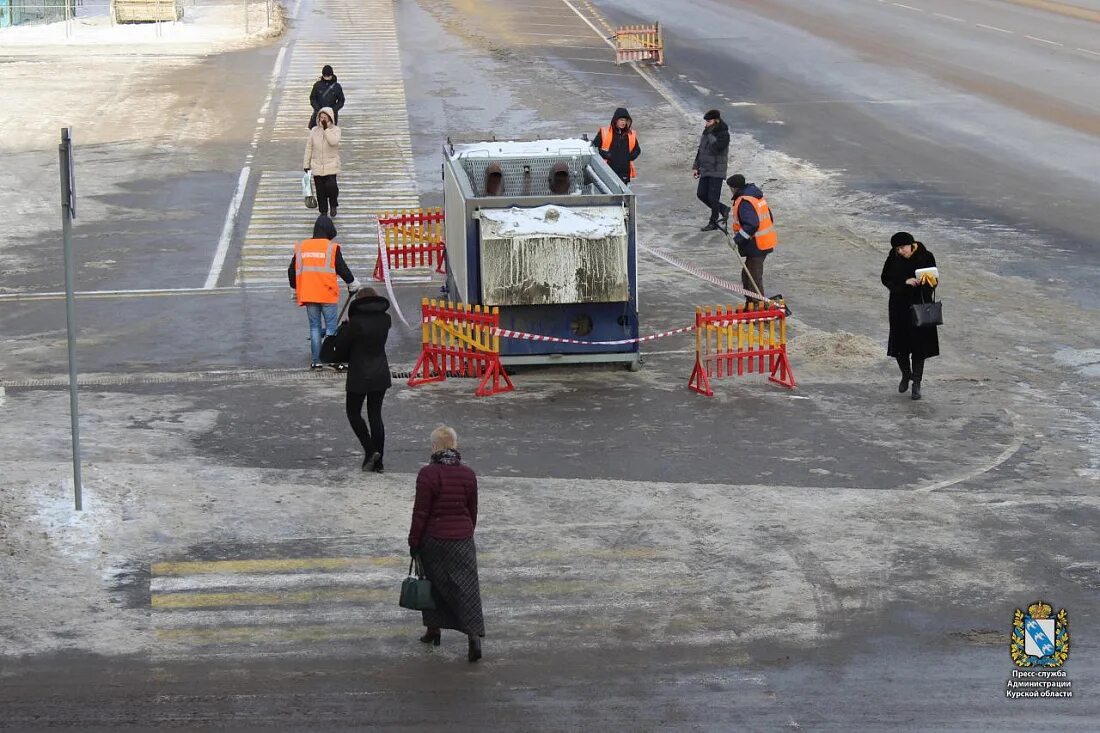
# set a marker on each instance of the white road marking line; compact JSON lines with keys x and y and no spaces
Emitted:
{"x":125,"y":293}
{"x":995,"y":28}
{"x":1044,"y":40}
{"x":658,"y":86}
{"x":1085,"y":50}
{"x":227,"y":230}
{"x":908,"y":7}
{"x":598,"y":73}
{"x":242,"y":182}
{"x":949,"y":17}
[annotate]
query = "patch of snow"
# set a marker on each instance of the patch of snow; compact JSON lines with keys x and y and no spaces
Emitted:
{"x":588,"y":222}
{"x":75,"y":535}
{"x":521,"y":149}
{"x":214,"y":25}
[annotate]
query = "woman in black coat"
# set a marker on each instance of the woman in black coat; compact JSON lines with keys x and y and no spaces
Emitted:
{"x":361,"y":343}
{"x":909,"y":344}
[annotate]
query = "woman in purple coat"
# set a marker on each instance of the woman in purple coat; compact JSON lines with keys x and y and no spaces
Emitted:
{"x":442,"y":536}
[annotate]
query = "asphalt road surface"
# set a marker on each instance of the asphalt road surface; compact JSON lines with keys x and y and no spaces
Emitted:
{"x":838,"y":557}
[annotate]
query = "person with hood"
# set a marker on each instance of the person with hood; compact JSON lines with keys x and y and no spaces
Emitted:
{"x":326,"y":92}
{"x":313,"y":270}
{"x":753,"y":231}
{"x":618,"y":145}
{"x":909,"y":344}
{"x":710,"y":167}
{"x":361,"y":342}
{"x":323,"y":159}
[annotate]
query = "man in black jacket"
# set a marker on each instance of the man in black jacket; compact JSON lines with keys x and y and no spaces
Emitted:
{"x":710,"y":168}
{"x":326,"y":92}
{"x":618,"y":144}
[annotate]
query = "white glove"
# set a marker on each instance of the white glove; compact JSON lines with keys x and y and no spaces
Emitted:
{"x":354,"y":286}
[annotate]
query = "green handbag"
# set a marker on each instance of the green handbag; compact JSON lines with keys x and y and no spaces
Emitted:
{"x":416,"y":592}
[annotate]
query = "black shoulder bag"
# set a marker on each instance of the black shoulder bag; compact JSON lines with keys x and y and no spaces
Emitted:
{"x":927,"y":314}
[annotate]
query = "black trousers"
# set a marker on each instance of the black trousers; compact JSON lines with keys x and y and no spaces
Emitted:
{"x":374,"y":439}
{"x":916,"y":369}
{"x":754,"y":266}
{"x":709,"y":192}
{"x":327,"y":191}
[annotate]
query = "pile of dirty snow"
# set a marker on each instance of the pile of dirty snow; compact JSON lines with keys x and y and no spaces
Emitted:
{"x":582,"y":222}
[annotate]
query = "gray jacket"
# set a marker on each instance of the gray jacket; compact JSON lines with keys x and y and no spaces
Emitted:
{"x":714,"y":145}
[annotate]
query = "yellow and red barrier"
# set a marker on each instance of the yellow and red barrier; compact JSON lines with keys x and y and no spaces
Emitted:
{"x":731,"y":341}
{"x":460,"y":339}
{"x":639,"y":43}
{"x":410,"y":238}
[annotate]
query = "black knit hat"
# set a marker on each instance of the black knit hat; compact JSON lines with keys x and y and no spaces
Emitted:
{"x":901,"y":239}
{"x":326,"y":71}
{"x":736,"y":181}
{"x":712,"y":114}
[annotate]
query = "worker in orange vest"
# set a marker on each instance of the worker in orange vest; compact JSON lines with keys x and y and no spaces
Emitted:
{"x":753,"y":231}
{"x":312,"y":273}
{"x":618,"y":145}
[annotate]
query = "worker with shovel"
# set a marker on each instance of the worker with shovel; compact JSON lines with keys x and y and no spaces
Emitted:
{"x":753,"y":231}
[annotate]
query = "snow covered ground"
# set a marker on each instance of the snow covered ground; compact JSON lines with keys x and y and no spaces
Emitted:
{"x":208,"y":26}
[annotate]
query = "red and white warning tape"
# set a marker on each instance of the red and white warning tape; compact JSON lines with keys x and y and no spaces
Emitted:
{"x":524,"y":336}
{"x":704,"y":275}
{"x":521,"y":336}
{"x":385,"y":258}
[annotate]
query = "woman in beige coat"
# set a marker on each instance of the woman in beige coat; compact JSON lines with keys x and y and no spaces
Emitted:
{"x":323,"y":158}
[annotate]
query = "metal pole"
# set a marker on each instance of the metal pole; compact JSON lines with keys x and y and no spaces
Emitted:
{"x":68,"y":213}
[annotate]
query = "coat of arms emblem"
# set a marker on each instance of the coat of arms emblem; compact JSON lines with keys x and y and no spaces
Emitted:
{"x":1038,"y":638}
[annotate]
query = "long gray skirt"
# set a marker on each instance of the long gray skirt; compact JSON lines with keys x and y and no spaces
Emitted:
{"x":451,"y":566}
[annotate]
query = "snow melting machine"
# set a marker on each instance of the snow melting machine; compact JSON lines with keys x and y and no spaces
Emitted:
{"x":546,"y":231}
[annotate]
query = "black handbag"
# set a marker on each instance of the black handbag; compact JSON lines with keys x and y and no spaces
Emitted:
{"x":927,"y":314}
{"x":329,"y":352}
{"x":416,"y":592}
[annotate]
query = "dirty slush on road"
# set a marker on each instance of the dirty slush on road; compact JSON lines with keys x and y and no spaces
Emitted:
{"x":650,"y":558}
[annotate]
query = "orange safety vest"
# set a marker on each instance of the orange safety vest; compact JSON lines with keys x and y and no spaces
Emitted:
{"x":607,"y":135}
{"x":766,"y":237}
{"x":315,"y":271}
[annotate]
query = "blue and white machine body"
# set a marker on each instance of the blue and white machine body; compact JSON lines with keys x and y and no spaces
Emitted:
{"x":546,"y":231}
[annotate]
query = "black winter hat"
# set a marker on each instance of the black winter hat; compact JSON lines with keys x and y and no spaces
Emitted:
{"x":901,"y":239}
{"x":736,"y":181}
{"x":712,"y":114}
{"x":326,"y":71}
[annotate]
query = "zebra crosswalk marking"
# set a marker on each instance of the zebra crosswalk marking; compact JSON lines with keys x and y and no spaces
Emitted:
{"x":377,"y":172}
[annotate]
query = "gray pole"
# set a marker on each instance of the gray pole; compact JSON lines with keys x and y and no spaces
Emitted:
{"x":68,"y":213}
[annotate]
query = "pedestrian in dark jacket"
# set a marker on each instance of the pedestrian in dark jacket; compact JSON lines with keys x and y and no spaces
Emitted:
{"x":326,"y":92}
{"x":618,"y":145}
{"x":753,"y":231}
{"x":442,"y":536}
{"x":361,"y":343}
{"x":710,"y":167}
{"x":909,"y":344}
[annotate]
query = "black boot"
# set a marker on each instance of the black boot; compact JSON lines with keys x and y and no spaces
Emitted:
{"x":906,"y":372}
{"x":432,"y":637}
{"x":475,"y":648}
{"x":372,"y":460}
{"x":918,"y":374}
